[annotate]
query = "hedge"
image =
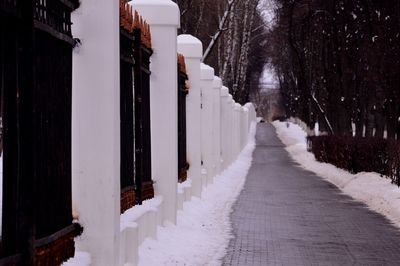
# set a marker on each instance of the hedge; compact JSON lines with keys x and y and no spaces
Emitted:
{"x":359,"y":154}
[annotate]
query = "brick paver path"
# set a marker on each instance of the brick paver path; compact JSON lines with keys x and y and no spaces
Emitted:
{"x":288,"y":216}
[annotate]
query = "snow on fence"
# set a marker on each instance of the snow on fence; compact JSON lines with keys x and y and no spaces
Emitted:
{"x":149,"y":129}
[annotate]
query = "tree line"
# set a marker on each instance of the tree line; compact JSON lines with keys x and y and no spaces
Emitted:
{"x":338,"y":63}
{"x":233,"y":34}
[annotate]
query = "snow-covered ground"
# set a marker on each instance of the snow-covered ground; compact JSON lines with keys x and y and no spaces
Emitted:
{"x":203,"y":228}
{"x":372,"y":189}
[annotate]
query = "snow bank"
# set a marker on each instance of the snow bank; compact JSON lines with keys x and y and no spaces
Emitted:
{"x":377,"y":192}
{"x":203,"y":228}
{"x":137,"y":211}
{"x":182,"y":186}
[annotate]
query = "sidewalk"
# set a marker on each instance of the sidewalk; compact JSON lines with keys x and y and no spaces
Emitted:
{"x":288,"y":216}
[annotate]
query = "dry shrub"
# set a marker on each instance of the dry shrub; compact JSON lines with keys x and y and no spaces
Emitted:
{"x":359,"y":154}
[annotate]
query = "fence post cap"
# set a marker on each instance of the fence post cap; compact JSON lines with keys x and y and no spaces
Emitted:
{"x":207,"y":72}
{"x":190,"y":46}
{"x":224,"y":91}
{"x":238,"y":107}
{"x":150,"y":10}
{"x":217,"y":83}
{"x":249,"y":105}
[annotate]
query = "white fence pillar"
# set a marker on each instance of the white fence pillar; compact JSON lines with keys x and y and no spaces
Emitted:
{"x":236,"y":145}
{"x":163,"y":17}
{"x":192,"y":49}
{"x":225,"y":133}
{"x":217,"y":124}
{"x":252,"y":113}
{"x":96,"y":130}
{"x":244,"y":127}
{"x":231,"y":104}
{"x":207,"y":78}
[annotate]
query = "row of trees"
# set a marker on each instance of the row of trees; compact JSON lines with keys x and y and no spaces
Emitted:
{"x":338,"y":63}
{"x":233,"y":34}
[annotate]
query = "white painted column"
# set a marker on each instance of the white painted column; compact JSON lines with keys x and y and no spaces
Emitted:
{"x":234,"y":132}
{"x":249,"y":115}
{"x":96,"y":130}
{"x":231,"y":105}
{"x":192,"y":49}
{"x":163,"y":17}
{"x":217,"y":124}
{"x":236,"y":146}
{"x":207,"y":79}
{"x":244,"y":127}
{"x":225,"y":133}
{"x":252,"y":112}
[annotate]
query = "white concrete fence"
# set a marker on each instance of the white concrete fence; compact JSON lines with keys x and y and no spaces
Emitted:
{"x":217,"y":129}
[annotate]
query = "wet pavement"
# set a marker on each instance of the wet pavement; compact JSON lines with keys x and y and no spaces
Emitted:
{"x":289,"y":216}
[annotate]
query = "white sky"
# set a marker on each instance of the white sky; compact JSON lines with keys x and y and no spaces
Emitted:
{"x":267,"y":7}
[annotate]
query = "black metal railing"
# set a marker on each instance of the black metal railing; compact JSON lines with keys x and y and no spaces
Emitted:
{"x":54,"y":17}
{"x":136,"y":182}
{"x":127,"y":120}
{"x":36,"y":89}
{"x":51,"y":131}
{"x":10,"y":63}
{"x":143,"y":180}
{"x":10,"y":7}
{"x":8,"y":3}
{"x":182,"y":92}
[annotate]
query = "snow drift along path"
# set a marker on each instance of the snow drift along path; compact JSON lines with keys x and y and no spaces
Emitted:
{"x":203,"y":228}
{"x":372,"y":189}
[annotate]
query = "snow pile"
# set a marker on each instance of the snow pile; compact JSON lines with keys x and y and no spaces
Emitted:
{"x":183,"y":185}
{"x":377,"y":192}
{"x":80,"y":259}
{"x":137,"y":211}
{"x":203,"y":228}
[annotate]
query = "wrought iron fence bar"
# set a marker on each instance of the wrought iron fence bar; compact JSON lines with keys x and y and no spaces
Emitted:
{"x":143,"y":182}
{"x":8,"y":2}
{"x":76,"y":228}
{"x":127,"y":35}
{"x":42,"y":32}
{"x":127,"y":170}
{"x":10,"y":8}
{"x":11,"y":260}
{"x":56,"y":16}
{"x":127,"y":59}
{"x":182,"y":142}
{"x":70,"y":4}
{"x":61,"y":36}
{"x":147,"y":50}
{"x":145,"y":70}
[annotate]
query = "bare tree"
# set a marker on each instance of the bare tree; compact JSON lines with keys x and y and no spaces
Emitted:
{"x":228,"y":29}
{"x":220,"y":29}
{"x":335,"y":62}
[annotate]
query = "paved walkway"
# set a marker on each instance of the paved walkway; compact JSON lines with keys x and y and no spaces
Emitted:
{"x":288,"y":216}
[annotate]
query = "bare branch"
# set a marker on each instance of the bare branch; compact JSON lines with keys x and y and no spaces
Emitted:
{"x":217,"y":34}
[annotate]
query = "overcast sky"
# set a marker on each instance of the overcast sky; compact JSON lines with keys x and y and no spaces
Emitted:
{"x":267,"y":7}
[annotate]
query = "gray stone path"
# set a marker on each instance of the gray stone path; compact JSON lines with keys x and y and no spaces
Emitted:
{"x":288,"y":216}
